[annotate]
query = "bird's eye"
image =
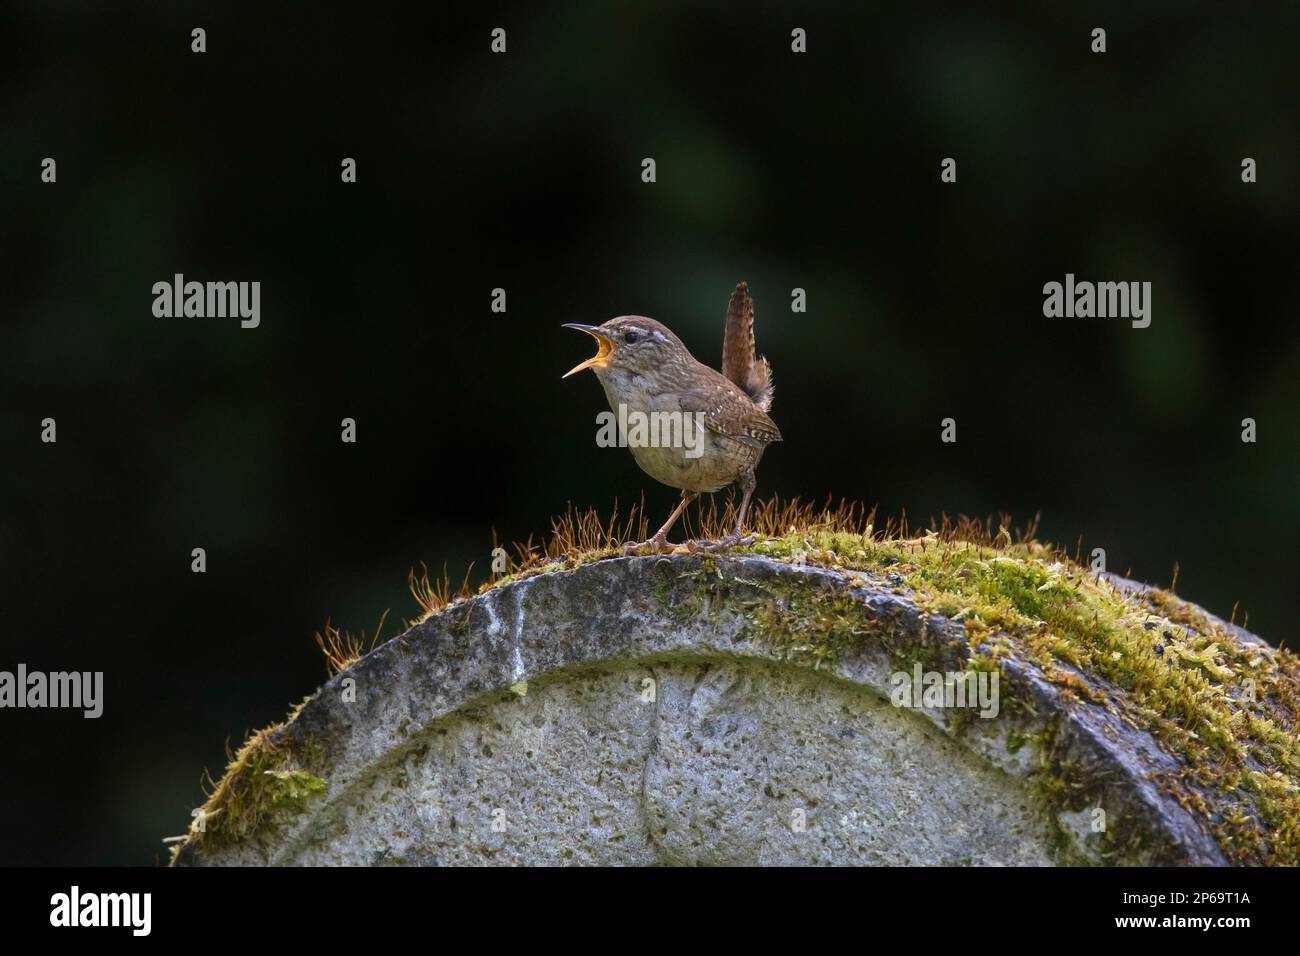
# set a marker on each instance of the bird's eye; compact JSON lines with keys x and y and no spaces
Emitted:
{"x":630,"y":337}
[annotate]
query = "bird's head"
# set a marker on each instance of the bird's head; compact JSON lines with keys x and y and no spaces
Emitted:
{"x":631,"y":344}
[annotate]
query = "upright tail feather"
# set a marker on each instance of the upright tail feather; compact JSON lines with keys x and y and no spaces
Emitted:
{"x":739,"y":364}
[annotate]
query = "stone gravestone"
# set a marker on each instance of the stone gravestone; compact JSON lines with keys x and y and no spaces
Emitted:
{"x":662,"y":710}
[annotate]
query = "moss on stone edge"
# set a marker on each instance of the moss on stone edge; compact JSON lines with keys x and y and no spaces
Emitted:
{"x":1224,"y":707}
{"x":263,"y":783}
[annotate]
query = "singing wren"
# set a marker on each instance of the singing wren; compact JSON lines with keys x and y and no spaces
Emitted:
{"x":646,"y":370}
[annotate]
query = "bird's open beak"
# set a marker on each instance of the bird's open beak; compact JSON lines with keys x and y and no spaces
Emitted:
{"x":602,"y":355}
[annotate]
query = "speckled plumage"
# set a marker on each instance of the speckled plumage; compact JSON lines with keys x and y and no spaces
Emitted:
{"x":646,"y":369}
{"x":737,"y":431}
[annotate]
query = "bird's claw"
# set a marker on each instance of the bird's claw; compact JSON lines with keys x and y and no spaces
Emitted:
{"x":653,"y":545}
{"x":733,"y":540}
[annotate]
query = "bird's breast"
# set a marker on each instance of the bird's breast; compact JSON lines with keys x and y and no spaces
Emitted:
{"x":670,"y":445}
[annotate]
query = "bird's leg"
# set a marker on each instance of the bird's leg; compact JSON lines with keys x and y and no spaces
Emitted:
{"x":660,"y":540}
{"x":737,"y":536}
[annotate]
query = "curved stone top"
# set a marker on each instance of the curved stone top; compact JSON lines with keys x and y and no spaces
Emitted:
{"x":684,"y":709}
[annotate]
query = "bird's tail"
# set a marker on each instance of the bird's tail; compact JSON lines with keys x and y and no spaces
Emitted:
{"x":739,"y":364}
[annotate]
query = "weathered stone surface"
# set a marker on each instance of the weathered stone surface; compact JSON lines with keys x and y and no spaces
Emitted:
{"x":652,"y":720}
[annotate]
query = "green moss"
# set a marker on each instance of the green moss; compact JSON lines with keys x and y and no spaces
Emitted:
{"x":813,"y":625}
{"x":264,"y":782}
{"x":1016,"y":740}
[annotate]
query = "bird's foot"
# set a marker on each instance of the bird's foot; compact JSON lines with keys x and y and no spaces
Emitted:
{"x":733,"y":540}
{"x":652,"y":545}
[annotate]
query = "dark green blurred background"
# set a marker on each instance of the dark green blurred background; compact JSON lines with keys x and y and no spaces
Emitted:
{"x":523,"y":171}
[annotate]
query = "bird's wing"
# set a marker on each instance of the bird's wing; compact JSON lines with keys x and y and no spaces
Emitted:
{"x":728,"y":411}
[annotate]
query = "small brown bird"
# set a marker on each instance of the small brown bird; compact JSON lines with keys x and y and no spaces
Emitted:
{"x":647,"y":371}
